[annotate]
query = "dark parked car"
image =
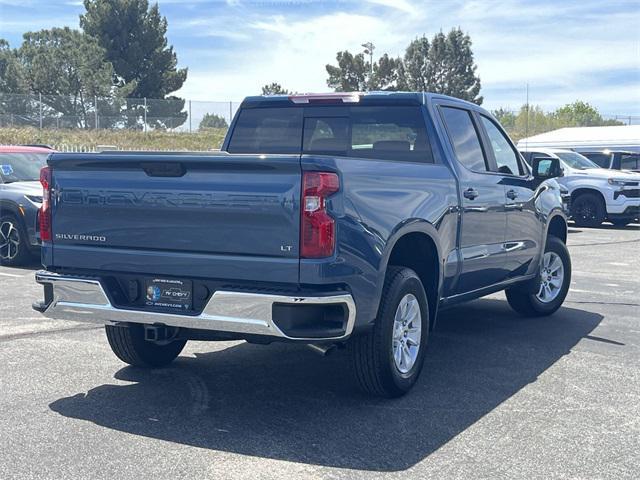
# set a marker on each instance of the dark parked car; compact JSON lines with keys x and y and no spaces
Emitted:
{"x":614,"y":159}
{"x":20,"y":199}
{"x":341,"y":219}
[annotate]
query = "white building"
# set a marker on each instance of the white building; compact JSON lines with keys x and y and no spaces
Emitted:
{"x":624,"y":137}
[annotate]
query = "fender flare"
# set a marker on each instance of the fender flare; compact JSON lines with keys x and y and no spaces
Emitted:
{"x":11,"y":207}
{"x":414,"y":225}
{"x":555,"y":212}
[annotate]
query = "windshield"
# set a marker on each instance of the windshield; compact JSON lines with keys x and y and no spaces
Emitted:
{"x":575,"y":160}
{"x":21,"y":167}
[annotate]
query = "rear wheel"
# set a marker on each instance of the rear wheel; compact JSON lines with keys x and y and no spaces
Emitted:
{"x":14,"y":243}
{"x":130,"y":346}
{"x":553,"y":285}
{"x":588,"y":210}
{"x":388,"y":359}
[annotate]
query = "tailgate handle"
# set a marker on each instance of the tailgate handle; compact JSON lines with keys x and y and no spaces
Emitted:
{"x":163,"y":169}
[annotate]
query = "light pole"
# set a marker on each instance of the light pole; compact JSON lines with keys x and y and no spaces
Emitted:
{"x":369,"y":47}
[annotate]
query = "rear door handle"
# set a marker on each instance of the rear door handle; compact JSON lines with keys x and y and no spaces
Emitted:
{"x":470,"y":193}
{"x":512,"y":194}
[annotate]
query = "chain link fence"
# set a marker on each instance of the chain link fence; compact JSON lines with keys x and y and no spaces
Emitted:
{"x":95,"y":123}
{"x":142,"y":114}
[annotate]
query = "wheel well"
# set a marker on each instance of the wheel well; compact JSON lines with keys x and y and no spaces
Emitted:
{"x":8,"y":209}
{"x":418,"y":252}
{"x":581,"y":191}
{"x":558,"y":228}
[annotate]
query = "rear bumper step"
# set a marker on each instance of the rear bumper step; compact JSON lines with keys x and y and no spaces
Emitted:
{"x":84,"y":300}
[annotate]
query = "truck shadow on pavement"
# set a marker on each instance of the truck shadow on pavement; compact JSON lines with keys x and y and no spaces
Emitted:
{"x":284,"y":402}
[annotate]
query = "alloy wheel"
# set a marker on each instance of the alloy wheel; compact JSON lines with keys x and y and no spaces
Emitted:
{"x":551,"y":277}
{"x":407,"y":331}
{"x":9,"y":241}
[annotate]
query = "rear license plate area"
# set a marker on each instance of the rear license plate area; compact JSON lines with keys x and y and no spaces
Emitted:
{"x":168,"y":293}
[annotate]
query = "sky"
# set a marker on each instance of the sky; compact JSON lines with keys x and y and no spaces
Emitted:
{"x":564,"y":50}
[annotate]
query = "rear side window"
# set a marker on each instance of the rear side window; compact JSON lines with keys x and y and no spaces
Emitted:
{"x":600,"y":159}
{"x":464,"y":138}
{"x":267,"y":130}
{"x":630,"y":162}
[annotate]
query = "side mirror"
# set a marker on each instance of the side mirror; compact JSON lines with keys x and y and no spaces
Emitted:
{"x":546,"y":167}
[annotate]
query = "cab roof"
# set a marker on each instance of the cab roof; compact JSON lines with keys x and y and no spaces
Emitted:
{"x":347,"y":98}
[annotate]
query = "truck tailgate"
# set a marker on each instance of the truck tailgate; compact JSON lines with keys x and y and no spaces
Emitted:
{"x":210,"y":215}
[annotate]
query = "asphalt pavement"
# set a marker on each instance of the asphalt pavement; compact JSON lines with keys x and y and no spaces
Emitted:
{"x":501,"y":396}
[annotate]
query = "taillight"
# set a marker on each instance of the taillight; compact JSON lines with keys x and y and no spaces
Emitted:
{"x":45,"y":209}
{"x":317,"y":229}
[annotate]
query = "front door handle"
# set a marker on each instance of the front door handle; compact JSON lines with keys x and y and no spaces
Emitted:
{"x":512,"y":194}
{"x":470,"y":193}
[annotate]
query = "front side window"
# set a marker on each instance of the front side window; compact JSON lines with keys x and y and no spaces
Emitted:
{"x":267,"y":130}
{"x":575,"y":160}
{"x":464,"y":138}
{"x":506,"y":157}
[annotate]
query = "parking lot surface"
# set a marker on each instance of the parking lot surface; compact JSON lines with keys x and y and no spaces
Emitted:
{"x":501,"y":396}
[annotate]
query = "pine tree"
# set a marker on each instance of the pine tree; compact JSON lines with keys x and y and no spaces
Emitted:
{"x":437,"y":69}
{"x":386,"y":73}
{"x":460,"y":70}
{"x":274,"y":88}
{"x":351,"y":73}
{"x":134,"y":38}
{"x":414,"y":72}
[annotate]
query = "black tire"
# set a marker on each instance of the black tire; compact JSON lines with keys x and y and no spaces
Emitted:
{"x":372,"y":352}
{"x":129,"y":345}
{"x":619,"y":222}
{"x":526,"y":303}
{"x":12,"y":254}
{"x":588,"y":210}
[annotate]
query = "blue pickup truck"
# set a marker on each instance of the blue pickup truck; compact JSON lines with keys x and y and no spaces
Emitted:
{"x":332,"y":220}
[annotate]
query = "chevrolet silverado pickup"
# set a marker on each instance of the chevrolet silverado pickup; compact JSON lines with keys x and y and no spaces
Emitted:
{"x":336,"y":220}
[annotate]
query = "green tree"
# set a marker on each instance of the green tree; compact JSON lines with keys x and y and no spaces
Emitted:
{"x":351,"y":73}
{"x":274,"y":88}
{"x":438,"y":65}
{"x":581,"y":114}
{"x":15,"y":106}
{"x":11,"y":73}
{"x":506,"y":118}
{"x":415,"y":65}
{"x":211,"y":120}
{"x":532,"y":119}
{"x":443,"y":65}
{"x":134,"y":38}
{"x":462,"y":81}
{"x":69,"y":70}
{"x":387,"y":73}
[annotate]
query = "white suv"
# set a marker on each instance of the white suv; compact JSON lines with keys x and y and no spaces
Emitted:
{"x":597,"y":194}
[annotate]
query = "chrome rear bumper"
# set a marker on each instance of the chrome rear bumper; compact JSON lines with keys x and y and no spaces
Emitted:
{"x":85,"y":300}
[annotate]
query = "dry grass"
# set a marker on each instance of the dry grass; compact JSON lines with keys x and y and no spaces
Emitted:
{"x":88,"y":140}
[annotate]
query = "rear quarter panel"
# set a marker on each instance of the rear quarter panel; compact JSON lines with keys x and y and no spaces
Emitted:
{"x":379,"y":202}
